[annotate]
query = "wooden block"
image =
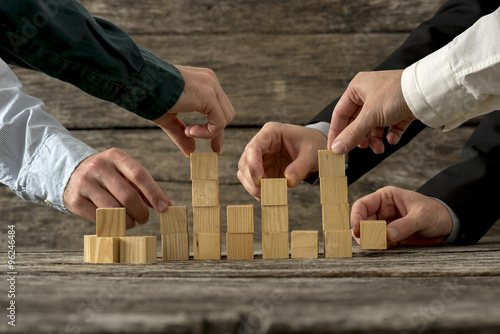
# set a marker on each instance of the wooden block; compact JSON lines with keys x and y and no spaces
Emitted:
{"x":104,"y":250}
{"x":274,"y":191}
{"x":175,"y":247}
{"x":335,"y":217}
{"x":204,"y":166}
{"x":174,"y":220}
{"x":206,"y":219}
{"x":239,"y":246}
{"x":337,"y":244}
{"x":274,"y":218}
{"x":333,"y":190}
{"x":111,"y":222}
{"x":240,"y":219}
{"x":331,"y":164}
{"x":275,"y":245}
{"x":86,"y":247}
{"x":140,"y":249}
{"x":205,"y":192}
{"x":206,"y":246}
{"x":373,"y":234}
{"x":304,"y":244}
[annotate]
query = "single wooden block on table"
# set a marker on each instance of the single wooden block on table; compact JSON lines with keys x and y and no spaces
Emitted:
{"x":331,"y":164}
{"x":373,"y":234}
{"x":204,"y":166}
{"x":274,"y":218}
{"x":239,"y":246}
{"x":240,"y":219}
{"x":206,"y":219}
{"x":138,"y":249}
{"x":175,"y":247}
{"x":174,"y":220}
{"x":335,"y":216}
{"x":205,"y":192}
{"x":337,"y":244}
{"x":206,"y":246}
{"x":275,"y":245}
{"x":333,"y":190}
{"x":104,"y":250}
{"x":304,"y":244}
{"x":86,"y":247}
{"x":274,"y":191}
{"x":111,"y":222}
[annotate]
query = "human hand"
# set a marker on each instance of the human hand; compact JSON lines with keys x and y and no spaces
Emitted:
{"x":280,"y":150}
{"x":202,"y":93}
{"x":113,"y":179}
{"x":413,"y":219}
{"x":372,"y":101}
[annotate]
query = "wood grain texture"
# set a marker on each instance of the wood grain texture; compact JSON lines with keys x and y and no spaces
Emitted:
{"x":110,"y":222}
{"x":337,"y":244}
{"x":175,"y":247}
{"x":304,"y":244}
{"x":275,"y":245}
{"x":86,"y":247}
{"x":335,"y":216}
{"x":275,"y":218}
{"x":104,"y":250}
{"x":207,"y":246}
{"x":174,"y":220}
{"x":373,"y":234}
{"x":138,"y":249}
{"x":207,"y":219}
{"x":205,"y":193}
{"x":274,"y":191}
{"x":204,"y":166}
{"x":240,"y":219}
{"x":331,"y":164}
{"x":239,"y":246}
{"x":333,"y":190}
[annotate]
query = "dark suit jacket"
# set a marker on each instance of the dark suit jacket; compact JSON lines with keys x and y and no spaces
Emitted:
{"x":464,"y":187}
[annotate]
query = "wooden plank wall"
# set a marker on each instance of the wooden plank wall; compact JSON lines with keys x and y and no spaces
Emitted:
{"x":280,"y":60}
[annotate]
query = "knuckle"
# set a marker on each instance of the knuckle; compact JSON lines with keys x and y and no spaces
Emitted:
{"x":139,"y":175}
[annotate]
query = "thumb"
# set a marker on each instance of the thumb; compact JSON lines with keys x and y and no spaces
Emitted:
{"x":402,"y":228}
{"x":175,"y":128}
{"x":353,"y":134}
{"x":297,"y":170}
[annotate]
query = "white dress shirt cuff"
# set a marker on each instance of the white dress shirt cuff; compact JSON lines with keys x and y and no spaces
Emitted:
{"x":322,"y":127}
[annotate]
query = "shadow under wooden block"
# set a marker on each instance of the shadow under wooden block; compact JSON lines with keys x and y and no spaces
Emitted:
{"x":333,"y":190}
{"x":204,"y":166}
{"x":206,"y":219}
{"x":274,"y":218}
{"x":138,"y":249}
{"x":275,"y":245}
{"x":337,"y":244}
{"x":335,"y":216}
{"x":111,"y":222}
{"x":174,"y":220}
{"x":274,"y":191}
{"x":104,"y":250}
{"x":205,"y":192}
{"x":86,"y":247}
{"x":373,"y":234}
{"x":240,"y":219}
{"x":331,"y":164}
{"x":206,"y":246}
{"x":239,"y":246}
{"x":175,"y":247}
{"x":304,"y":244}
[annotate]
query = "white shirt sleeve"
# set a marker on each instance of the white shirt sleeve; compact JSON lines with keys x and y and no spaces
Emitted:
{"x":37,"y":154}
{"x":459,"y":81}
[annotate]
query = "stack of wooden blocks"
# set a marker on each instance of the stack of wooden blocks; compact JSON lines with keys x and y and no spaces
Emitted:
{"x":174,"y":234}
{"x":337,"y":236}
{"x":240,"y":229}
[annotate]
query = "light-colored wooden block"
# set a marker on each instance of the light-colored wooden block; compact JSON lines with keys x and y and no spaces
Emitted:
{"x":174,"y":220}
{"x":274,"y":218}
{"x":205,"y":192}
{"x":304,"y":244}
{"x":104,"y":250}
{"x":204,"y":166}
{"x":239,"y":246}
{"x":206,"y":246}
{"x":175,"y":247}
{"x":86,"y":247}
{"x":373,"y":234}
{"x":333,"y":190}
{"x":206,"y":219}
{"x":274,"y":191}
{"x":331,"y":164}
{"x":337,"y":244}
{"x":335,"y":217}
{"x":111,"y":222}
{"x":275,"y":245}
{"x":138,"y":249}
{"x":240,"y":219}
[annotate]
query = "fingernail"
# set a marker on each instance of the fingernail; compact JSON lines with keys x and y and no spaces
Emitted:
{"x":292,"y":178}
{"x":392,"y":235}
{"x":338,"y":147}
{"x":162,"y":206}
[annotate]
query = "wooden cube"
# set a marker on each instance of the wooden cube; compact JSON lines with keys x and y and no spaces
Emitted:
{"x":373,"y":234}
{"x":240,"y":219}
{"x":337,"y":244}
{"x":274,"y":191}
{"x":204,"y":166}
{"x":205,"y":192}
{"x":239,"y":246}
{"x":86,"y":247}
{"x":304,"y":244}
{"x":331,"y":164}
{"x":104,"y":250}
{"x":206,"y":246}
{"x":275,"y":245}
{"x":274,"y":218}
{"x":335,"y":217}
{"x":140,"y":249}
{"x":206,"y":219}
{"x":174,"y":220}
{"x":175,"y":247}
{"x":111,"y":222}
{"x":333,"y":190}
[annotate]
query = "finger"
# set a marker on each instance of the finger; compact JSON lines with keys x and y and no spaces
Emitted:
{"x":298,"y":169}
{"x":175,"y":128}
{"x":249,"y":185}
{"x":375,"y":140}
{"x":216,"y":122}
{"x":217,"y":142}
{"x":353,"y":134}
{"x":342,"y":116}
{"x":365,"y":208}
{"x":364,"y":143}
{"x":396,"y":131}
{"x":402,"y":228}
